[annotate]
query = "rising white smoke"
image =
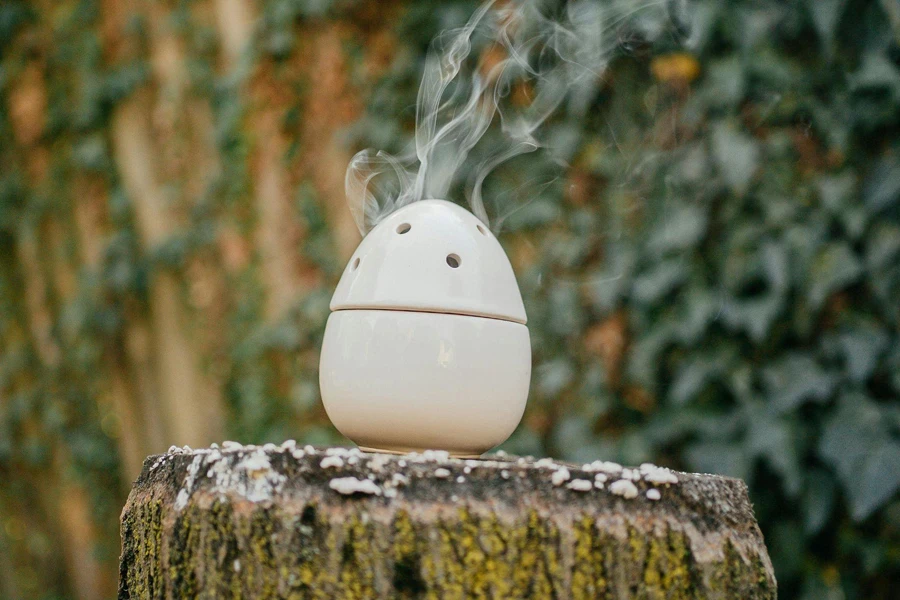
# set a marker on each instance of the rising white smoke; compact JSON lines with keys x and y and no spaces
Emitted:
{"x":508,"y":48}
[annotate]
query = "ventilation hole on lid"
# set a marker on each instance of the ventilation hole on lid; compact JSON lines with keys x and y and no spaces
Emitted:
{"x":481,"y":229}
{"x":453,"y":260}
{"x":403,"y":228}
{"x":355,"y":264}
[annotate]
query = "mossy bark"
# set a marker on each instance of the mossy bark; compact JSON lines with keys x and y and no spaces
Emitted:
{"x":255,"y":523}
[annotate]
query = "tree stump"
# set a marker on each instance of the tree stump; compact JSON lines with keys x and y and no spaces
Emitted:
{"x":291,"y":522}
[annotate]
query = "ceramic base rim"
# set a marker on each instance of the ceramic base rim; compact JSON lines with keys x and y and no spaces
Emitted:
{"x":403,"y":451}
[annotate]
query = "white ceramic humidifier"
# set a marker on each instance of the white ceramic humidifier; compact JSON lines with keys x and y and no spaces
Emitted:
{"x":426,"y":346}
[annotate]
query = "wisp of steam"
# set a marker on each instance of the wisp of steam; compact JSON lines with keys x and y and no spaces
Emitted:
{"x":515,"y":60}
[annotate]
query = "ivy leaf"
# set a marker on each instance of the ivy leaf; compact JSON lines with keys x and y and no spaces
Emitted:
{"x":693,"y":167}
{"x":304,"y":395}
{"x":818,"y":501}
{"x":566,"y":316}
{"x":804,"y":242}
{"x":775,"y":264}
{"x":755,"y":316}
{"x":825,"y":15}
{"x":605,"y":287}
{"x":849,"y":434}
{"x":834,"y":268}
{"x":553,"y":377}
{"x":877,"y":72}
{"x":683,"y":228}
{"x":832,"y":123}
{"x":882,"y":187}
{"x":867,"y":459}
{"x":725,"y":82}
{"x":879,"y":479}
{"x":643,"y":359}
{"x":703,"y":16}
{"x":699,"y":309}
{"x":692,"y":378}
{"x":862,"y":347}
{"x":737,"y":155}
{"x":651,"y":286}
{"x":794,"y":379}
{"x":836,"y":191}
{"x":883,"y":245}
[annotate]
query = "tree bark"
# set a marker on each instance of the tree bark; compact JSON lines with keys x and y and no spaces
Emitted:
{"x":290,"y":522}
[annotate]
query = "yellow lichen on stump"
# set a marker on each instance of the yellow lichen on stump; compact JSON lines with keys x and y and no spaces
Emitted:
{"x":286,"y":522}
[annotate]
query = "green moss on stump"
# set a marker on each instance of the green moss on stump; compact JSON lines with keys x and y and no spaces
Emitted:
{"x":213,"y":536}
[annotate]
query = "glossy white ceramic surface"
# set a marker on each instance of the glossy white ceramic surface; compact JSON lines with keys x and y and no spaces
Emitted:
{"x":399,"y":381}
{"x":431,"y":256}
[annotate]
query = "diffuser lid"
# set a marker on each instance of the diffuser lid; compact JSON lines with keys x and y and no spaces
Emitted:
{"x":431,"y":256}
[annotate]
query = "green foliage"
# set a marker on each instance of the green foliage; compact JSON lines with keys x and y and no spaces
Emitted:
{"x":753,"y":252}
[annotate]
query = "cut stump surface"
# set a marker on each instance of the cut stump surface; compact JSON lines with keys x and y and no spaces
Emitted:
{"x":292,"y":522}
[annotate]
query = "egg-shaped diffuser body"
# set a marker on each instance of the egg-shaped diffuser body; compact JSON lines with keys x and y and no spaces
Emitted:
{"x":426,"y":347}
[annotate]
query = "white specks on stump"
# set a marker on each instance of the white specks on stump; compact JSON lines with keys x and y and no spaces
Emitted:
{"x":624,"y":488}
{"x":580,"y":485}
{"x":352,"y":485}
{"x":253,"y":476}
{"x":559,"y":476}
{"x":332,"y":462}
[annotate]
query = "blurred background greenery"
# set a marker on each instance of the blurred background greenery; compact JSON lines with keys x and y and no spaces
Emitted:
{"x":712,"y":283}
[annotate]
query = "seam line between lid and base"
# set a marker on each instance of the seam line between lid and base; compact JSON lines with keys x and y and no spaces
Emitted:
{"x":433,"y":312}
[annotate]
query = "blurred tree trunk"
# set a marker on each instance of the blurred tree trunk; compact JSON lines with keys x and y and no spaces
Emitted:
{"x":48,"y":283}
{"x":192,"y":405}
